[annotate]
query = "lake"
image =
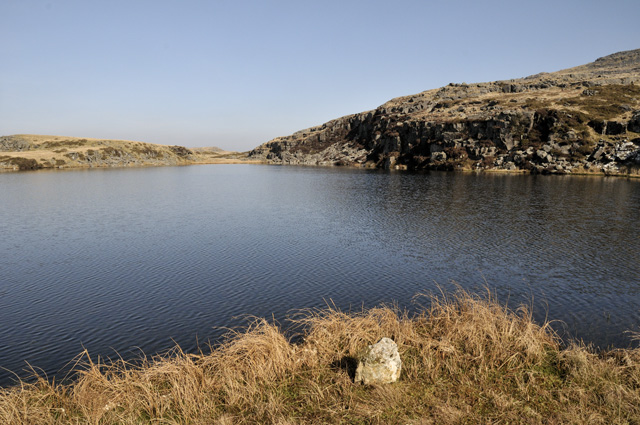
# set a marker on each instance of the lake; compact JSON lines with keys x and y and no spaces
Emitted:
{"x":119,"y":261}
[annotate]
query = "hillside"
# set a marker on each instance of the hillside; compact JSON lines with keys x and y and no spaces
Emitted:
{"x":32,"y":152}
{"x":584,"y":119}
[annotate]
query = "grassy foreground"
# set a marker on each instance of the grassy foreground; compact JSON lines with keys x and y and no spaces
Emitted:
{"x":466,"y":359}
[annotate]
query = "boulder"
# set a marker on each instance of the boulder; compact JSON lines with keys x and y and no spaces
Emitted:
{"x":439,"y":156}
{"x":380,"y":364}
{"x":597,"y":154}
{"x":542,"y":155}
{"x":509,"y":166}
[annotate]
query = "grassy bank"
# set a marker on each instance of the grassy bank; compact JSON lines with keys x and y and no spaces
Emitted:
{"x":466,"y":359}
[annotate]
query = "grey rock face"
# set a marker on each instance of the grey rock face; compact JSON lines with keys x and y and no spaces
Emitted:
{"x":381,"y":364}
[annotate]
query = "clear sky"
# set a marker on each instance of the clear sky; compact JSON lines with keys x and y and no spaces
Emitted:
{"x":236,"y":73}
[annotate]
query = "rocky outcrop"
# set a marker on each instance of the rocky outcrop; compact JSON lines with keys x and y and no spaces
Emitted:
{"x":585,"y":119}
{"x":14,"y":144}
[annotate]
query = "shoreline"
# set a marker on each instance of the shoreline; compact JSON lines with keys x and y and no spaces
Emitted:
{"x":465,"y":359}
{"x":27,"y":152}
{"x":93,"y":167}
{"x":223,"y":161}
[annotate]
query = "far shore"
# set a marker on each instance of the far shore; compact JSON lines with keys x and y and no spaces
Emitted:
{"x":24,"y":152}
{"x":242,"y":158}
{"x":206,"y":161}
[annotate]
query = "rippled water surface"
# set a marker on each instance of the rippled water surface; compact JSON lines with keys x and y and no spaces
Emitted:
{"x":121,"y":260}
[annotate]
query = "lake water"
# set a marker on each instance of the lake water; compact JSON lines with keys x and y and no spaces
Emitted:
{"x":134,"y":259}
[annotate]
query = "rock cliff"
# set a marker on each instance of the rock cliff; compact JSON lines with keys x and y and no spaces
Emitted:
{"x":582,"y":119}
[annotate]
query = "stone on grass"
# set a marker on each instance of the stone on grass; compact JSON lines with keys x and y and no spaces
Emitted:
{"x":380,"y":364}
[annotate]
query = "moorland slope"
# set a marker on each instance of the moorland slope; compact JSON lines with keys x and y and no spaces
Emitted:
{"x":32,"y":152}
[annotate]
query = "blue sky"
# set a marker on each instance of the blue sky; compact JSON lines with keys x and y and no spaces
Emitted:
{"x":235,"y":74}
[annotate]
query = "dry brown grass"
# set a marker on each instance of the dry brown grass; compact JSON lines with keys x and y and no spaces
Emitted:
{"x":466,"y":359}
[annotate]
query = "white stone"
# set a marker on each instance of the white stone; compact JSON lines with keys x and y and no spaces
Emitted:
{"x":380,"y":364}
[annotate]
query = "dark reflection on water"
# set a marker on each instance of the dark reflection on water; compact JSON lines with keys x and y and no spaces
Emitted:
{"x":112,"y":260}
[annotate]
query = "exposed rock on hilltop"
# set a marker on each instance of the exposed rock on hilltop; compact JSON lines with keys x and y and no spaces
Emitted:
{"x":582,"y":119}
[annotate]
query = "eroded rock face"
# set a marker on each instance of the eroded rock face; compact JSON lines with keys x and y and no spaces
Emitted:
{"x":381,"y":364}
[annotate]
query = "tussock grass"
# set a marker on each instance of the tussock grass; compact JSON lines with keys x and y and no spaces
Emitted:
{"x":466,"y":359}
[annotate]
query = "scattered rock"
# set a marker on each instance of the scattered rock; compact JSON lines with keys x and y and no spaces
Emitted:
{"x":626,"y":150}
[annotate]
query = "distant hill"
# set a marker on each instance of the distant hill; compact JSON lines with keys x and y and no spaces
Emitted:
{"x":579,"y":120}
{"x":31,"y":152}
